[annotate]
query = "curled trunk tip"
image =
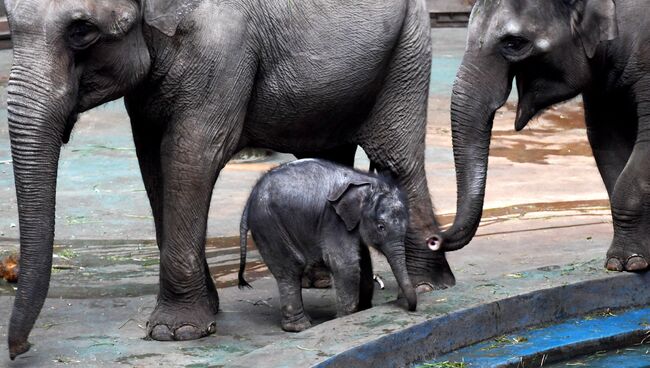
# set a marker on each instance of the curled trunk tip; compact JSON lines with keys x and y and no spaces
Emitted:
{"x":435,"y":243}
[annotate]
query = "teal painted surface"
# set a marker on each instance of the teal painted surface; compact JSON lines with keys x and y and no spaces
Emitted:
{"x":511,"y":348}
{"x":443,"y":74}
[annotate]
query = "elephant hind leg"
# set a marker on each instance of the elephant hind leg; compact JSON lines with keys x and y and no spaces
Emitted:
{"x":294,"y":318}
{"x":394,"y":139}
{"x":288,"y":270}
{"x":287,"y":265}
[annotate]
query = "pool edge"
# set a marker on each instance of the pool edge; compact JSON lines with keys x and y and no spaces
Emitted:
{"x":429,"y":333}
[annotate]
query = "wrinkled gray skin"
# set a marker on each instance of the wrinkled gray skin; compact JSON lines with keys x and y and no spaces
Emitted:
{"x":557,"y":50}
{"x":312,"y":212}
{"x":201,"y":80}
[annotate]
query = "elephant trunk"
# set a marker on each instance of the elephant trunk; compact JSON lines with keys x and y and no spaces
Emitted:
{"x":482,"y":86}
{"x":36,"y":139}
{"x":395,"y":254}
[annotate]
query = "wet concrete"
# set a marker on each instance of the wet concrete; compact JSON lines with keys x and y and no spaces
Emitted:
{"x":545,"y":206}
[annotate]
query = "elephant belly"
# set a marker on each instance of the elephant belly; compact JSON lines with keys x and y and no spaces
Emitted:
{"x":318,"y":81}
{"x":308,"y":124}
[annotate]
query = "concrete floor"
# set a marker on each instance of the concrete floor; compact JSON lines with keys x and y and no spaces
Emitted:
{"x":545,"y":205}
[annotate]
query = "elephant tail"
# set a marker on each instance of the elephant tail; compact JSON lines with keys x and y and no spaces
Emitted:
{"x":243,"y":244}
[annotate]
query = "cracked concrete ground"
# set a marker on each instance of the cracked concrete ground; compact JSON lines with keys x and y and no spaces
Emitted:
{"x":545,"y":205}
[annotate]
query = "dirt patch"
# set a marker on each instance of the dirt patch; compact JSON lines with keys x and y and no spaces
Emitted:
{"x":560,"y":131}
{"x":548,"y":209}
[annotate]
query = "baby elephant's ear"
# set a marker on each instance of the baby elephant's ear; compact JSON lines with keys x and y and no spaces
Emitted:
{"x":166,"y":15}
{"x":347,"y":202}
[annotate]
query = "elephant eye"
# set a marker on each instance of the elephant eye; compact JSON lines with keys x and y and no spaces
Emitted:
{"x":381,"y":227}
{"x":515,"y":46}
{"x":82,"y":34}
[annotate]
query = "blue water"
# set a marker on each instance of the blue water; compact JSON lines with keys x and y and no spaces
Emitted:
{"x":632,"y":357}
{"x":509,"y":349}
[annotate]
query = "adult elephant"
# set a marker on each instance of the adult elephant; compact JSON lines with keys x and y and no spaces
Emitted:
{"x":201,"y":80}
{"x":557,"y":50}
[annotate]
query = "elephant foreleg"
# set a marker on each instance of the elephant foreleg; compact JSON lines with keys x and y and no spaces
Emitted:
{"x":611,"y":131}
{"x":189,"y":165}
{"x":346,"y":274}
{"x":147,"y":138}
{"x":630,"y":199}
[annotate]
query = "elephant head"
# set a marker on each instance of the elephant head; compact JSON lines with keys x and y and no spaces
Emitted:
{"x":69,"y":56}
{"x":379,"y":211}
{"x":547,"y":47}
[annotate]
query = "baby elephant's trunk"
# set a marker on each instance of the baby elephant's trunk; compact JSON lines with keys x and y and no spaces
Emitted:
{"x":243,"y":237}
{"x":397,"y":260}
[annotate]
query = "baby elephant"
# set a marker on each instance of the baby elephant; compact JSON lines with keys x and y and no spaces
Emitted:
{"x":312,"y":212}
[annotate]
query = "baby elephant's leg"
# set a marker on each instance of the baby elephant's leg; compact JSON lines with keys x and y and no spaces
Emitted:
{"x":346,"y":273}
{"x":294,"y":318}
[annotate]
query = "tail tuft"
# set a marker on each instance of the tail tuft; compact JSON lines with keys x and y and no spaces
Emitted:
{"x":243,"y":284}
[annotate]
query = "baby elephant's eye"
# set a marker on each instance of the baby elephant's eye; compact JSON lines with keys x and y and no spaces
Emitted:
{"x":381,"y":227}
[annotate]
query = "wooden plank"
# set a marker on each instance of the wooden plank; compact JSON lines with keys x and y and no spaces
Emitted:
{"x":450,"y":6}
{"x":449,"y":13}
{"x":447,"y":20}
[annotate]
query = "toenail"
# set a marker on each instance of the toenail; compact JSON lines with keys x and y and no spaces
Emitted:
{"x":636,"y":262}
{"x":187,"y":332}
{"x":614,"y":264}
{"x":161,"y":333}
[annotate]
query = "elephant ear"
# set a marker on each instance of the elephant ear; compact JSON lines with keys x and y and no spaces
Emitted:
{"x":347,"y":201}
{"x":595,"y":22}
{"x":166,"y":15}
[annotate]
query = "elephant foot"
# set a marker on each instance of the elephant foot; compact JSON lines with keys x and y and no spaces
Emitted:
{"x":437,"y":274}
{"x":296,"y":324}
{"x":317,"y":277}
{"x":620,"y":261}
{"x":180,"y":323}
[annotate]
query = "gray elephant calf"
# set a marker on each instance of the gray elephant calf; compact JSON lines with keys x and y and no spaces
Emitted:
{"x":312,"y":211}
